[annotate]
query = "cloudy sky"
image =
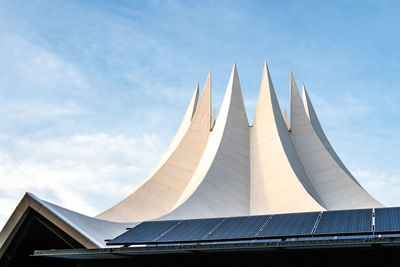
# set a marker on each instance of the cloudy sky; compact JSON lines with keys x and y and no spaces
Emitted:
{"x":92,"y":92}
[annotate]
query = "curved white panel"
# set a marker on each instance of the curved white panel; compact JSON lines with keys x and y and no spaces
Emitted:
{"x":278,"y":181}
{"x":186,"y":121}
{"x":89,"y":232}
{"x":160,"y":191}
{"x":320,"y":133}
{"x":334,"y":186}
{"x":221,"y":184}
{"x":96,"y":230}
{"x":286,"y":119}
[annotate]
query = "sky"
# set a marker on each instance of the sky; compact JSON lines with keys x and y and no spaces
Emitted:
{"x":92,"y":92}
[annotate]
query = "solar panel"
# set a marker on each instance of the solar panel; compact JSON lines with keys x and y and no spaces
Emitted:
{"x":190,"y":230}
{"x":387,"y":220}
{"x":345,"y":221}
{"x":144,"y":232}
{"x":239,"y":227}
{"x":263,"y":226}
{"x":296,"y":224}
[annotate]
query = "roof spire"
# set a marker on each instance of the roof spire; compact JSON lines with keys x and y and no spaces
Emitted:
{"x":205,"y":102}
{"x":295,"y":101}
{"x":195,"y":99}
{"x":287,"y":120}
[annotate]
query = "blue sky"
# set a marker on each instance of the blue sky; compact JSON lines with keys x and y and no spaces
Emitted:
{"x":92,"y":92}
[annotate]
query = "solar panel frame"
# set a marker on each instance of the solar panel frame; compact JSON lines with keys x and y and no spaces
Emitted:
{"x":145,"y":232}
{"x":387,"y":220}
{"x":287,"y":225}
{"x":340,"y":222}
{"x":234,"y":228}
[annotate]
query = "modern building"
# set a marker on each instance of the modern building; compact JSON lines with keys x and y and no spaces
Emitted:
{"x":279,"y":171}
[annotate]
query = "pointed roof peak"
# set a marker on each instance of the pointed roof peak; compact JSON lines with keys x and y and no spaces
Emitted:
{"x":266,"y":74}
{"x":291,"y":75}
{"x":296,"y":104}
{"x":195,"y":100}
{"x":204,"y":102}
{"x":265,"y":65}
{"x":234,"y":75}
{"x":208,"y":81}
{"x":234,"y":68}
{"x":286,"y":119}
{"x":207,"y":86}
{"x":267,"y":100}
{"x":307,"y":104}
{"x":293,"y":84}
{"x":304,"y":93}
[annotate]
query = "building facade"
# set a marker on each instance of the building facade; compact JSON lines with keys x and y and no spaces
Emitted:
{"x":214,"y":167}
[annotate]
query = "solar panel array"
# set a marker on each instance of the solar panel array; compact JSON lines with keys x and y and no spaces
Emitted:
{"x":296,"y":225}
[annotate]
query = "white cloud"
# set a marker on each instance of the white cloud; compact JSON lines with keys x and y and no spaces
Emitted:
{"x":347,"y":107}
{"x":39,"y":110}
{"x":86,"y":173}
{"x":385,"y":187}
{"x":144,"y":82}
{"x":38,"y":67}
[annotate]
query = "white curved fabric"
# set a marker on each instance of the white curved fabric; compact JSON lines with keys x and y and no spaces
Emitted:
{"x":160,"y":191}
{"x":278,"y":181}
{"x":286,"y":119}
{"x":88,"y":231}
{"x":220,"y":186}
{"x":96,"y":230}
{"x":185,"y":124}
{"x":334,"y":186}
{"x":312,"y":116}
